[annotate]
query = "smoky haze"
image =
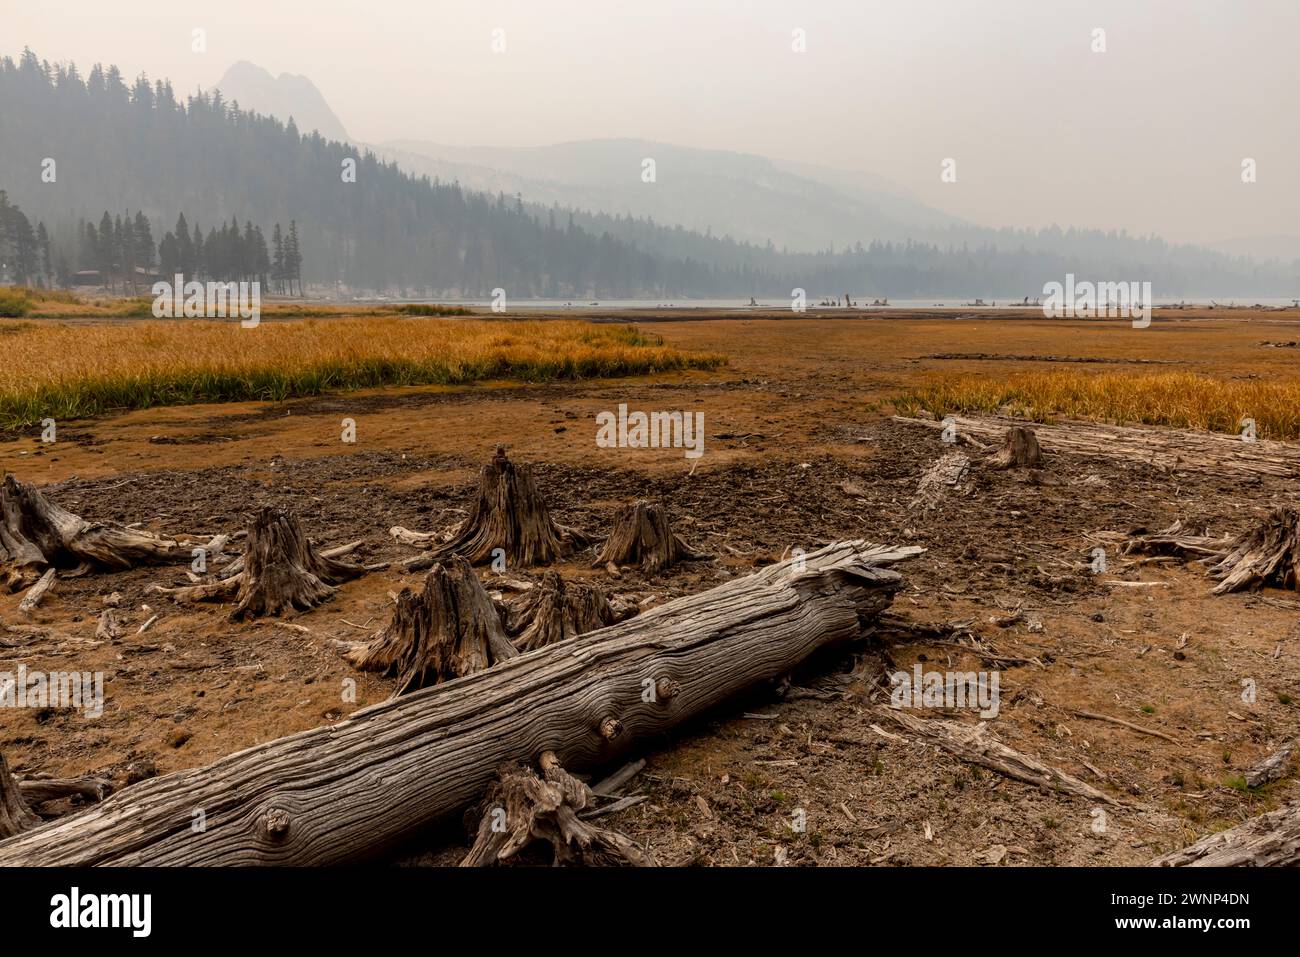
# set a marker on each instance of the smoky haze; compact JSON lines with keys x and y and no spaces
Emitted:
{"x":1148,"y":136}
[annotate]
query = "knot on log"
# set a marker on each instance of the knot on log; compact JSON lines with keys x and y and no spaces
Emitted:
{"x":666,"y":689}
{"x":610,"y":728}
{"x":276,"y":824}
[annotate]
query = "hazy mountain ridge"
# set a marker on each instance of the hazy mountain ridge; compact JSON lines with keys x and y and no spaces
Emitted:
{"x":287,"y":96}
{"x":126,"y":146}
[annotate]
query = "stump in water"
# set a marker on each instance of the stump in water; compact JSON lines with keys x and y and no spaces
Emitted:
{"x":521,"y":808}
{"x":1268,"y":554}
{"x":281,"y":571}
{"x":509,"y":514}
{"x":15,"y":816}
{"x":36,"y":535}
{"x":556,"y":610}
{"x":450,"y":629}
{"x":642,"y":536}
{"x":1019,"y":450}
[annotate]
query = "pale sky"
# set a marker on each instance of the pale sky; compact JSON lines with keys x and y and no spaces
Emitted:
{"x":1149,"y":135}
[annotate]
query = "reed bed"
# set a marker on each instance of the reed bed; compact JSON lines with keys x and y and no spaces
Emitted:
{"x":1177,"y":399}
{"x":77,"y":371}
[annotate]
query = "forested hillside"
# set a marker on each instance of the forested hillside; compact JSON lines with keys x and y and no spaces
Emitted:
{"x":73,"y":146}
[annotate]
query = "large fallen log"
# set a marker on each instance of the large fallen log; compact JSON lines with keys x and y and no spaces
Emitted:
{"x":1270,"y":840}
{"x":36,"y":534}
{"x":1163,"y":447}
{"x":352,"y":790}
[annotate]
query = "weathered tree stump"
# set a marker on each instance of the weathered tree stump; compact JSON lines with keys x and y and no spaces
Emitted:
{"x":36,"y":535}
{"x":1019,"y":450}
{"x":1268,"y":554}
{"x":509,"y":514}
{"x":449,"y":630}
{"x":642,"y":536}
{"x":15,"y":816}
{"x":281,"y":571}
{"x":556,"y":610}
{"x":521,"y":808}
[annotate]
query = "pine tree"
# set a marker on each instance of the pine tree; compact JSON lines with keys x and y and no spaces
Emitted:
{"x":184,"y":246}
{"x":200,"y":253}
{"x":142,"y":238}
{"x":293,"y":258}
{"x":47,"y":267}
{"x":105,"y":258}
{"x":277,"y":261}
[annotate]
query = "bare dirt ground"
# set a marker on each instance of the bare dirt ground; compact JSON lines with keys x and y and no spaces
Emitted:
{"x":800,"y":451}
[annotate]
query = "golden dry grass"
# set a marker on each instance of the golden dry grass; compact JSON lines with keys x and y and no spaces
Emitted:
{"x":1178,"y":399}
{"x":74,"y":371}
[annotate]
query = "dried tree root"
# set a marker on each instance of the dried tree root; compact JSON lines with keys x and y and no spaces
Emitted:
{"x":642,"y":536}
{"x":449,"y":630}
{"x":1177,"y":541}
{"x":15,"y":816}
{"x":1269,"y":840}
{"x":36,"y":534}
{"x":280,"y":572}
{"x":509,"y":514}
{"x":556,"y":610}
{"x":1019,"y":450}
{"x":521,"y":808}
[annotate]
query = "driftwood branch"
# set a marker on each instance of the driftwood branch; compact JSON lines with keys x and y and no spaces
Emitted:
{"x":974,"y":744}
